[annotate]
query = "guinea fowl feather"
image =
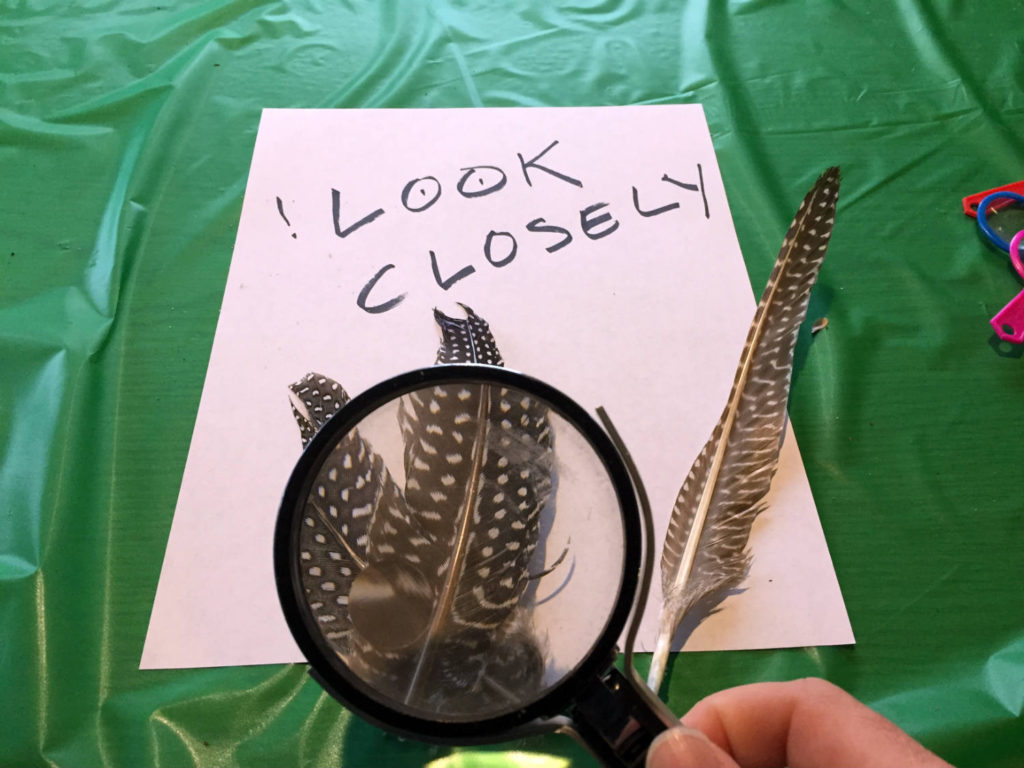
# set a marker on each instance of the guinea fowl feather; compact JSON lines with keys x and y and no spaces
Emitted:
{"x":334,"y":537}
{"x":419,"y":589}
{"x":478,"y":463}
{"x":705,"y":553}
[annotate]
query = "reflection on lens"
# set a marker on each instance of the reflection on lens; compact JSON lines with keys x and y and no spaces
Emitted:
{"x":460,"y":550}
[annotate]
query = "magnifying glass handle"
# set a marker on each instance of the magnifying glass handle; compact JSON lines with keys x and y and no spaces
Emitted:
{"x":617,"y":719}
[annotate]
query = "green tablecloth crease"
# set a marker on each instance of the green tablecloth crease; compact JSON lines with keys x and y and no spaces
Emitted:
{"x":126,"y":132}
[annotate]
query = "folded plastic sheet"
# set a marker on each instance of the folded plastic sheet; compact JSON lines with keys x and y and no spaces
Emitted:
{"x":126,"y":131}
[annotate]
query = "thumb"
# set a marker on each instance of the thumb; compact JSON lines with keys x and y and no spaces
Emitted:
{"x":683,"y":747}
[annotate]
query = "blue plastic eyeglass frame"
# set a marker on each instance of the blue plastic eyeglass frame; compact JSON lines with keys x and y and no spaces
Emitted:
{"x":994,"y":237}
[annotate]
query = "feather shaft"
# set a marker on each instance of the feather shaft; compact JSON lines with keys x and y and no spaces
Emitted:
{"x":456,"y":568}
{"x":705,"y":547}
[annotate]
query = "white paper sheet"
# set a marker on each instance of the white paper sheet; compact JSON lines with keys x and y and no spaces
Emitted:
{"x":647,"y":320}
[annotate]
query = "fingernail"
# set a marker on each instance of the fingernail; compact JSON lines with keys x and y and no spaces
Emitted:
{"x":682,"y":747}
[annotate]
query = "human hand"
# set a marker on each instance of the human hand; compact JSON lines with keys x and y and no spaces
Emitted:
{"x":798,"y":724}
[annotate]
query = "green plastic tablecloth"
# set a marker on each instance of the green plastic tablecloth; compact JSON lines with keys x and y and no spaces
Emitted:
{"x":126,"y":131}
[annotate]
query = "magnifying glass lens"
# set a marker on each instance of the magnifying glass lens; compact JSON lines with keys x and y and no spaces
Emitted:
{"x":457,"y":550}
{"x":1004,"y":214}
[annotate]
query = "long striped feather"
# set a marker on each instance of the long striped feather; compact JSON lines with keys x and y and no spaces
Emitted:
{"x":705,"y":552}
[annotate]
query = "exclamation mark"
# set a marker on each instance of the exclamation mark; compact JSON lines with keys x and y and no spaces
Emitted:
{"x":280,"y":209}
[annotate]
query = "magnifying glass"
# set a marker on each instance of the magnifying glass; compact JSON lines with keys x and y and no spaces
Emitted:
{"x":457,"y":553}
{"x":1000,"y":216}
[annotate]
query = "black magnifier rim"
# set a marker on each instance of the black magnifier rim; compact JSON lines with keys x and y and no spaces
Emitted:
{"x":354,"y":692}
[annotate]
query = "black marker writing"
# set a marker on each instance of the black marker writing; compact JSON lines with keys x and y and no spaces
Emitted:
{"x":336,"y":210}
{"x":473,"y":174}
{"x":540,"y":225}
{"x":489,"y":248}
{"x":501,"y":247}
{"x":280,"y":209}
{"x":527,"y":164}
{"x":384,"y":306}
{"x":421,"y":202}
{"x":444,"y":283}
{"x":589,"y":223}
{"x":692,"y":188}
{"x":653,"y":211}
{"x":421,"y":193}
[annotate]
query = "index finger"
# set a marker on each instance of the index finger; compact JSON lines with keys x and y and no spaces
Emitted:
{"x":801,"y":724}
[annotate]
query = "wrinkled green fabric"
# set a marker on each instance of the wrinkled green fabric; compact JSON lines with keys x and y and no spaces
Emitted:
{"x":126,"y":131}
